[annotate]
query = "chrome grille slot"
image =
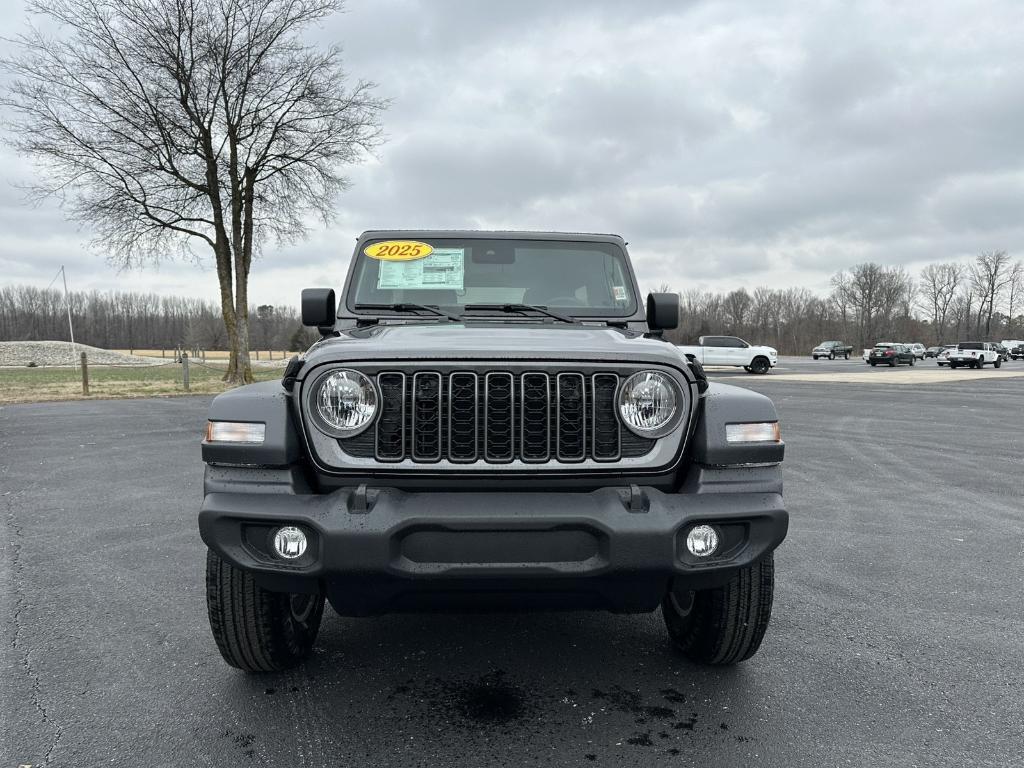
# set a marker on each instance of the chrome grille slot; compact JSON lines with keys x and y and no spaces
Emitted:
{"x":463,"y":416}
{"x":571,"y":422}
{"x":535,"y":417}
{"x":426,"y":416}
{"x":499,"y":415}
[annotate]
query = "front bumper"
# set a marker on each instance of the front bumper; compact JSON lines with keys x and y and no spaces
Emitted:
{"x":383,"y":550}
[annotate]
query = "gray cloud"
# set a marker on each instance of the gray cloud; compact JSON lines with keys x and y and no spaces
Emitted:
{"x":732,"y":143}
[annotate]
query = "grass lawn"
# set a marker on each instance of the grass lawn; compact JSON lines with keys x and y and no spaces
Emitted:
{"x":33,"y":385}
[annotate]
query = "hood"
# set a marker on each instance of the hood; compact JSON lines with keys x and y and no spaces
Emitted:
{"x":493,"y":341}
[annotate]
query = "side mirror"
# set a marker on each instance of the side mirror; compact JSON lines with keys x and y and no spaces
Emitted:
{"x":662,"y":311}
{"x":318,"y":309}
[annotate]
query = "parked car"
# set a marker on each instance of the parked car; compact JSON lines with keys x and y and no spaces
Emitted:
{"x":730,"y":350}
{"x":943,"y":357}
{"x":1004,"y":353}
{"x":477,"y":430}
{"x":933,"y":351}
{"x":1011,"y":345}
{"x":832,"y":350}
{"x":891,"y":354}
{"x":918,"y":350}
{"x":974,"y":354}
{"x":1017,"y":353}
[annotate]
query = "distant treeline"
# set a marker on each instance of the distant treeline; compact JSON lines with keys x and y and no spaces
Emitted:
{"x":869,"y":303}
{"x":948,"y":302}
{"x":126,"y":320}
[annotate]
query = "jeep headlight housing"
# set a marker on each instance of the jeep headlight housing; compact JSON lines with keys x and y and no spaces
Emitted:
{"x":343,"y":403}
{"x":648,"y":403}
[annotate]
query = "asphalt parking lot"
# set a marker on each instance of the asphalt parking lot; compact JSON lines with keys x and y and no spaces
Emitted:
{"x":896,"y":638}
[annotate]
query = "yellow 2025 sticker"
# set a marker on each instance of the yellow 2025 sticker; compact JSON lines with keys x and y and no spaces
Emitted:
{"x":398,"y":250}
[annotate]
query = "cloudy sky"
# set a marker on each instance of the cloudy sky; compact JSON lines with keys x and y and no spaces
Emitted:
{"x":731,"y":143}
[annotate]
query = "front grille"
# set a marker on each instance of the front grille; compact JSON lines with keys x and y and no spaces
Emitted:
{"x":497,"y":417}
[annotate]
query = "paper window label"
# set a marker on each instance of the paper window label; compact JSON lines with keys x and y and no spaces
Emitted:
{"x":442,"y":269}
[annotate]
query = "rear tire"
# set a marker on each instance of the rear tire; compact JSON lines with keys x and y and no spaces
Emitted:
{"x":846,"y":356}
{"x":831,"y":355}
{"x":892,"y":363}
{"x":913,"y":361}
{"x":726,"y":624}
{"x":815,"y":357}
{"x":258,"y":630}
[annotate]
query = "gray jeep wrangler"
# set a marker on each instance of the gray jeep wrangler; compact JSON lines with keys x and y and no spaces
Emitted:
{"x":490,"y":420}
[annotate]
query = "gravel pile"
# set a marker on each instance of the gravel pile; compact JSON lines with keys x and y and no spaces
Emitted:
{"x":21,"y":353}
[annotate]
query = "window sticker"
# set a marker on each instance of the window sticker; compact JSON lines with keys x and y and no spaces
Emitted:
{"x":398,"y":250}
{"x":444,"y":268}
{"x":619,"y":292}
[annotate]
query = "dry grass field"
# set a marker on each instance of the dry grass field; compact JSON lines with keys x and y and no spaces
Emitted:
{"x":33,"y":385}
{"x":210,"y":354}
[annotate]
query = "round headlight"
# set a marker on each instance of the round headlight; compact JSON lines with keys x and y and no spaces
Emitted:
{"x":648,"y":402}
{"x":345,"y":403}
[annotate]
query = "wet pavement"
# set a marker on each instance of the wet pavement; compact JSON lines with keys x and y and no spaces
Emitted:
{"x":896,"y":638}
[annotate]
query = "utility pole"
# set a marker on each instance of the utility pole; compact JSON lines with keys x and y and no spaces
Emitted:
{"x":67,"y":304}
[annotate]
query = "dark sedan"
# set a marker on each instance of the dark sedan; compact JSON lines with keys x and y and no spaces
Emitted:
{"x":933,"y":351}
{"x":891,"y":355}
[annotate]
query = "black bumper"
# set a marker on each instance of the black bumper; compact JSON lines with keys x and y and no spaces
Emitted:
{"x":392,"y":550}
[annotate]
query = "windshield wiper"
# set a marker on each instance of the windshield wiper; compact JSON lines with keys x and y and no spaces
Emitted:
{"x":522,"y":308}
{"x":406,"y":307}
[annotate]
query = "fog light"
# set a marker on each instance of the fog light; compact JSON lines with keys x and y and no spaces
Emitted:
{"x":289,"y":542}
{"x":702,"y":540}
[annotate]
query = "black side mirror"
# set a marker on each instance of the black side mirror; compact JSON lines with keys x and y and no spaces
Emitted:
{"x":318,"y":309}
{"x":662,"y":311}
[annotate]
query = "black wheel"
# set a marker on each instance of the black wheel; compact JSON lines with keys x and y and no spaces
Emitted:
{"x":913,"y":361}
{"x":726,"y":624}
{"x":257,"y":630}
{"x":873,"y":364}
{"x":831,"y":355}
{"x":760,"y":366}
{"x":846,"y":356}
{"x":978,"y":364}
{"x":892,"y":363}
{"x":815,"y":357}
{"x":997,"y":363}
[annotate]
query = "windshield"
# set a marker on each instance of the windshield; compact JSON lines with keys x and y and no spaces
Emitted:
{"x":575,"y":278}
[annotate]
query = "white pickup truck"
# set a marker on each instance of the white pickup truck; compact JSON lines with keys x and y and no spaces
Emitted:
{"x":974,"y":354}
{"x":730,"y":350}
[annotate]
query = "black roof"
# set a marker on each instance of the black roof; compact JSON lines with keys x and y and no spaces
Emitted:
{"x":482,"y":234}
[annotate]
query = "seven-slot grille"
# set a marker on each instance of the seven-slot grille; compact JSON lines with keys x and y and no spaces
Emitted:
{"x":497,"y":417}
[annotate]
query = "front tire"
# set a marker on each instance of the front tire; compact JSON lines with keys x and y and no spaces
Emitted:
{"x":726,"y":624}
{"x":831,"y":355}
{"x":760,"y":366}
{"x":913,"y":361}
{"x":255,"y":629}
{"x":998,"y":363}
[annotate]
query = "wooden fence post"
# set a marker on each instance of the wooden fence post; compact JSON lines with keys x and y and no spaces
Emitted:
{"x":184,"y":370}
{"x":85,"y":375}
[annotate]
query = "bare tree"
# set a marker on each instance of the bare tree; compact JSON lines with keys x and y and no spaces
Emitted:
{"x":170,"y":123}
{"x":990,"y":275}
{"x":938,"y":288}
{"x":1014,"y":296}
{"x":737,"y":305}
